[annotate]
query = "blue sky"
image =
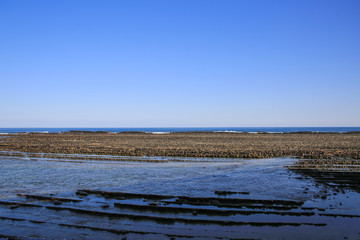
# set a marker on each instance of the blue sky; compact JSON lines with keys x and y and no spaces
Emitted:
{"x":180,"y":63}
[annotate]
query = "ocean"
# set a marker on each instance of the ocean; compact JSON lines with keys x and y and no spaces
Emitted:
{"x":189,"y":129}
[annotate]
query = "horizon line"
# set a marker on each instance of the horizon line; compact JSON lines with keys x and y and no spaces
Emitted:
{"x":206,"y":127}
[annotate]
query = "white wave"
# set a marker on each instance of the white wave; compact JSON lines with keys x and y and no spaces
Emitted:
{"x":158,"y":132}
{"x":228,"y":131}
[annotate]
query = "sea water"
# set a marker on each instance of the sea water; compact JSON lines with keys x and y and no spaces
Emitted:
{"x":188,"y":129}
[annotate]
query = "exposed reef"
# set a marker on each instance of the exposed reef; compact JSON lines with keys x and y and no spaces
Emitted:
{"x":304,"y":145}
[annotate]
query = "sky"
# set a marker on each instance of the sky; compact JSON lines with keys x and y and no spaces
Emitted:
{"x":179,"y":63}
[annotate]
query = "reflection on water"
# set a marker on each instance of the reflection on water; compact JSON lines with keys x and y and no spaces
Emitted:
{"x":261,"y":178}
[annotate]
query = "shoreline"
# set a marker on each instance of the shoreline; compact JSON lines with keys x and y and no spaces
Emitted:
{"x":232,"y":196}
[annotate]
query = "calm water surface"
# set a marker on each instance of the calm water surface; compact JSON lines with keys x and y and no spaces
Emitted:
{"x":189,"y":129}
{"x":263,"y":178}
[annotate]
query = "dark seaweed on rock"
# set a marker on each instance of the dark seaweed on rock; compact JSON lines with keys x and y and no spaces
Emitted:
{"x":86,"y":132}
{"x":336,"y":173}
{"x":352,"y":132}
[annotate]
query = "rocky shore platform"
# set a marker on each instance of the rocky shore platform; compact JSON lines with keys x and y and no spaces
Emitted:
{"x":86,"y":185}
{"x":303,"y":145}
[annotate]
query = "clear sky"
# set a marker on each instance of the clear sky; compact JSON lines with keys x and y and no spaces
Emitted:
{"x":179,"y":63}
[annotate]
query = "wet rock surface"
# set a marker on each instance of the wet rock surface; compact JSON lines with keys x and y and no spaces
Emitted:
{"x":137,"y":215}
{"x":338,"y":174}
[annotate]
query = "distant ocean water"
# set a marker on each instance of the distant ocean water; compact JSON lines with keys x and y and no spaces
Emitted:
{"x":190,"y":129}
